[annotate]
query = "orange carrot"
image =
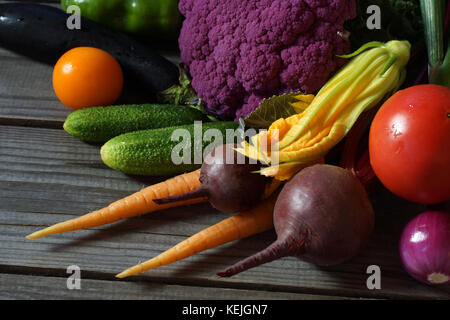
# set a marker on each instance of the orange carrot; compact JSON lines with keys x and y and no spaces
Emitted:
{"x":133,"y":205}
{"x":254,"y":221}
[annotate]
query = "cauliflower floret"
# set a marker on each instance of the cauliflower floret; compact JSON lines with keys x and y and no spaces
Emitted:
{"x":241,"y":51}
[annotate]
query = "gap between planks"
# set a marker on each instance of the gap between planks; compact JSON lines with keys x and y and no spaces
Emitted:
{"x":55,"y":287}
{"x":194,"y":283}
{"x":32,"y":123}
{"x":217,"y":284}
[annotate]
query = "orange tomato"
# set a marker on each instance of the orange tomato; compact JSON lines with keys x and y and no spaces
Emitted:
{"x":87,"y":77}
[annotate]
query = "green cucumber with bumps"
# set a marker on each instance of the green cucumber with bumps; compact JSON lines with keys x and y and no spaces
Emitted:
{"x":100,"y":124}
{"x":150,"y":152}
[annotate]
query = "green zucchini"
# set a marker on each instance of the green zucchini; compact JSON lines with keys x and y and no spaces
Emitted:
{"x":100,"y":124}
{"x":151,"y":152}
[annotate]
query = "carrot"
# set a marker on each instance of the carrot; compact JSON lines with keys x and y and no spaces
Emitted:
{"x":133,"y":205}
{"x":245,"y":224}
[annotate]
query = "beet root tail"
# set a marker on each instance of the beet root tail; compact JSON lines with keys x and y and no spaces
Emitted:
{"x":276,"y":250}
{"x":194,"y":194}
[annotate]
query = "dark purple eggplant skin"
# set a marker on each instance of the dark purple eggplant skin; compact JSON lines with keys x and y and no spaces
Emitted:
{"x":40,"y":32}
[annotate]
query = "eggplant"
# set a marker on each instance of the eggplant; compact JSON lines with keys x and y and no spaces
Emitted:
{"x":40,"y":32}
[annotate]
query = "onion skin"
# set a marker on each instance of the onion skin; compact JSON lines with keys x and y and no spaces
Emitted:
{"x":425,"y":248}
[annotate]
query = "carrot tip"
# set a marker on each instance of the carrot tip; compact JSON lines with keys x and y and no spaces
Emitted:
{"x":36,"y":235}
{"x":121,"y":275}
{"x":128,"y":272}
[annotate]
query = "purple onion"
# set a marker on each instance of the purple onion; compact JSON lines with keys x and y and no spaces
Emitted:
{"x":425,"y":247}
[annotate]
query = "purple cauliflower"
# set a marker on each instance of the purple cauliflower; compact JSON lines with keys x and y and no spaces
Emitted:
{"x":241,"y":51}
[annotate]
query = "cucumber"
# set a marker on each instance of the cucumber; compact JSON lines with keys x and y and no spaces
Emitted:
{"x":100,"y":124}
{"x":149,"y":152}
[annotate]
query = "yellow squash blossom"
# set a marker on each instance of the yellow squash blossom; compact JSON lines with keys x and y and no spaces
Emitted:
{"x":322,"y":121}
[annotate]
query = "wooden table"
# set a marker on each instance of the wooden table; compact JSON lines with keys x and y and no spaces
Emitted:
{"x":48,"y":176}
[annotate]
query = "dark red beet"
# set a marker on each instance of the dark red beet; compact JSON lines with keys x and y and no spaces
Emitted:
{"x":228,"y":180}
{"x":322,"y":215}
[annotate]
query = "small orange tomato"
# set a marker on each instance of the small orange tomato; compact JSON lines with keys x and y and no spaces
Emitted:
{"x":86,"y":77}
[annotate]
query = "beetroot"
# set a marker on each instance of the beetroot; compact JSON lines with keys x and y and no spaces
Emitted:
{"x":228,"y":180}
{"x":322,"y":215}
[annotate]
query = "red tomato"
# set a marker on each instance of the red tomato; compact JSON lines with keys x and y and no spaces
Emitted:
{"x":409,"y":144}
{"x":87,"y":77}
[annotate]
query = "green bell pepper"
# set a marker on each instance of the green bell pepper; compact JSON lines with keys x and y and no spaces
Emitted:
{"x":159,"y":18}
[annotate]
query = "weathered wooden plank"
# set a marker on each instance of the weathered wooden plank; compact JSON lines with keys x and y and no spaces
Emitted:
{"x":29,"y":287}
{"x":47,"y":176}
{"x":109,"y":252}
{"x":26,"y":90}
